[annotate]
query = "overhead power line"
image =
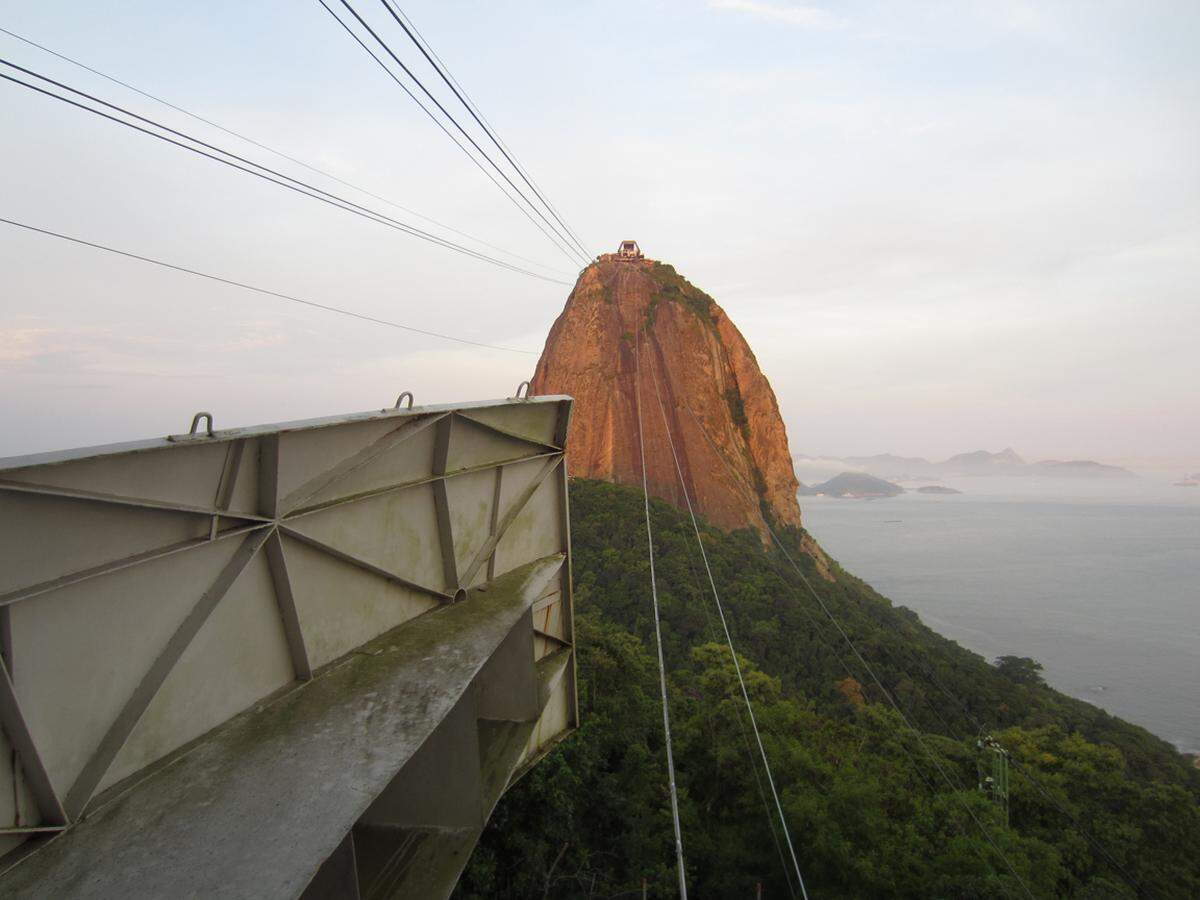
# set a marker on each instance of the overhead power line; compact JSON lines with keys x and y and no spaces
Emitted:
{"x":429,"y":95}
{"x":737,"y":666}
{"x":662,"y":671}
{"x":440,"y":67}
{"x":281,"y":154}
{"x":258,"y":290}
{"x":258,"y":170}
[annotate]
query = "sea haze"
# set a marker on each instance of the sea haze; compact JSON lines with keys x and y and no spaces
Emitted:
{"x":1097,"y":580}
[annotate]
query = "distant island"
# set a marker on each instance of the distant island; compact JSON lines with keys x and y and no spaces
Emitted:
{"x":1082,"y":468}
{"x":853,"y":486}
{"x":1192,"y":480}
{"x":978,"y":462}
{"x":937,"y":489}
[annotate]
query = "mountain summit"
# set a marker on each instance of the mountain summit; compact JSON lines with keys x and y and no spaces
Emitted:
{"x":724,"y":419}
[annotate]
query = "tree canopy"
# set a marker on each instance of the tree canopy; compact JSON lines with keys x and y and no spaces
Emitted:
{"x":1098,"y":807}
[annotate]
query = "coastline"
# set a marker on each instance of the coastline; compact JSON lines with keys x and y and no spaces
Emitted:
{"x":1030,"y":576}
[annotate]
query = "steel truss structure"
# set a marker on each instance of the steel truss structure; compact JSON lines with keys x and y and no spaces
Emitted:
{"x":293,"y":660}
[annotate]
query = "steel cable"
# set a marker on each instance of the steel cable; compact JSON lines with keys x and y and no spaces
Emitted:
{"x":387,"y":49}
{"x":662,"y":672}
{"x":249,"y":140}
{"x":875,"y":678}
{"x":392,"y":75}
{"x":729,"y":640}
{"x":438,"y":67}
{"x":474,"y":106}
{"x":249,"y":287}
{"x":742,"y":730}
{"x":264,"y":172}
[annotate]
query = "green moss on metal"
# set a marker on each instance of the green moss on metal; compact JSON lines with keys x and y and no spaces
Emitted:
{"x":374,"y":661}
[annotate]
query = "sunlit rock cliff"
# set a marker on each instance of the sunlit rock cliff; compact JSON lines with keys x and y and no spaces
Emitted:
{"x":731,"y":441}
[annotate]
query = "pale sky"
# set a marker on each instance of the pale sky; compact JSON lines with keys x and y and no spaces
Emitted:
{"x":941,"y":226}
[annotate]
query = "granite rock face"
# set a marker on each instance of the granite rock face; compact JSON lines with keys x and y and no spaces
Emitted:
{"x":629,"y":316}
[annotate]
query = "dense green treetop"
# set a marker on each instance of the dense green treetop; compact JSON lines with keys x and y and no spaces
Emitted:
{"x":1098,"y":808}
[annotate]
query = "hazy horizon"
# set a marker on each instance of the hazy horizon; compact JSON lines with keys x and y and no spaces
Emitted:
{"x":1136,"y":462}
{"x":940,"y":228}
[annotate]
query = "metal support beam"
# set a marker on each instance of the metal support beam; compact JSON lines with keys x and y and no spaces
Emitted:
{"x":441,"y":503}
{"x":277,"y":562}
{"x":116,"y":565}
{"x":553,"y":638}
{"x":404,"y":485}
{"x":19,"y":736}
{"x":227,"y":482}
{"x":568,"y":609}
{"x":389,"y":441}
{"x":561,"y":426}
{"x":268,"y":475}
{"x":510,"y":514}
{"x":504,"y":432}
{"x":317,"y":663}
{"x":6,"y":637}
{"x":229,"y":474}
{"x":363,"y":564}
{"x":50,"y":490}
{"x":494,"y":525}
{"x":33,"y":829}
{"x":114,"y":739}
{"x":216,"y":820}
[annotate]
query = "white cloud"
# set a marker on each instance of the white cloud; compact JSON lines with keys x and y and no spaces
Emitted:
{"x":975,"y":229}
{"x":793,"y":14}
{"x":255,"y":340}
{"x":19,"y":344}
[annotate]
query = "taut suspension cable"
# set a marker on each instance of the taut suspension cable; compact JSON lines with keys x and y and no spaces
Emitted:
{"x":954,"y":787}
{"x":729,"y":638}
{"x":662,"y":672}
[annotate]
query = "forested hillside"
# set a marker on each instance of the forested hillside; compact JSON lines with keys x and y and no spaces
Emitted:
{"x":1097,"y":804}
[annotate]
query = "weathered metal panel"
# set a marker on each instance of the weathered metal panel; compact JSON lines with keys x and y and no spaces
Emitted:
{"x":535,"y":423}
{"x":153,"y":595}
{"x":240,"y":655}
{"x":81,"y":652}
{"x":341,"y":606}
{"x":548,"y":625}
{"x":254,"y":808}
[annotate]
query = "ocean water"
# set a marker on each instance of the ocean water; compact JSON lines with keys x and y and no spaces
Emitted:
{"x":1099,"y":581}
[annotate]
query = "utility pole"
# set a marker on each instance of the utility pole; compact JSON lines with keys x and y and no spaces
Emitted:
{"x":996,"y":784}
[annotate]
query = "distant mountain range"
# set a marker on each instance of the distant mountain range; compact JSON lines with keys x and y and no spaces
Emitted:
{"x":978,"y":462}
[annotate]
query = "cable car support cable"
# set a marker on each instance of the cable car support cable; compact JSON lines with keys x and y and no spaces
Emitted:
{"x":552,"y":237}
{"x":729,"y":640}
{"x":955,"y":788}
{"x":438,"y":67}
{"x":484,"y":119}
{"x":258,"y":170}
{"x":662,"y":672}
{"x":500,"y":171}
{"x":259,"y":290}
{"x":282,"y":155}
